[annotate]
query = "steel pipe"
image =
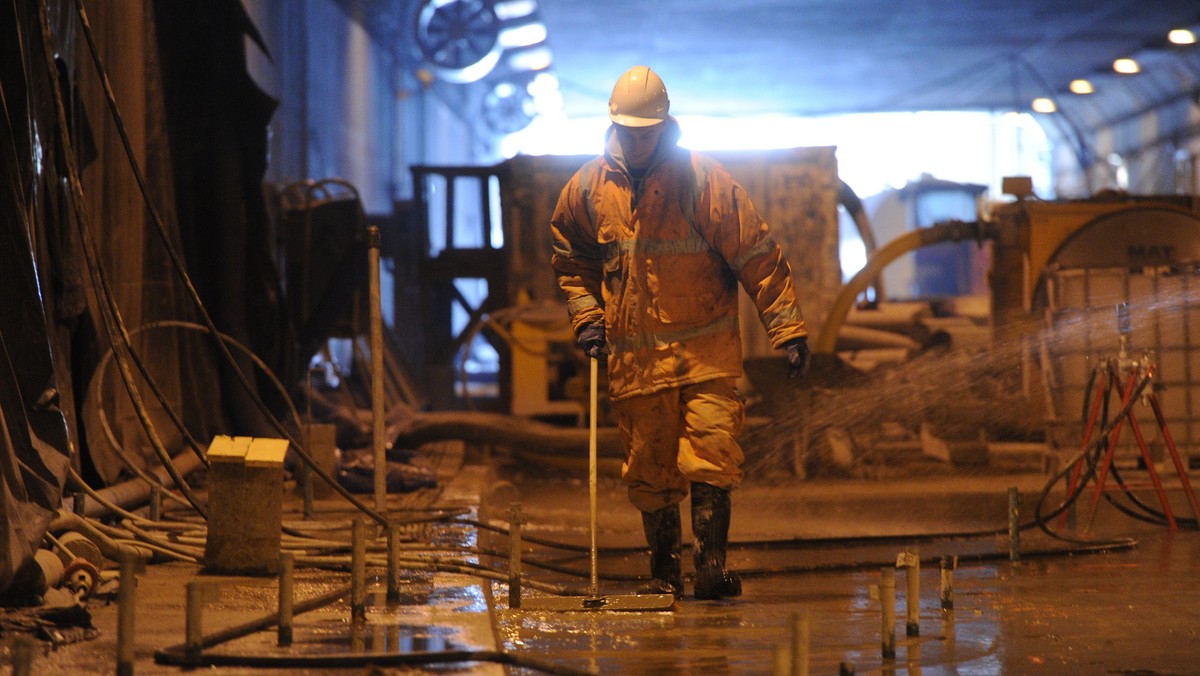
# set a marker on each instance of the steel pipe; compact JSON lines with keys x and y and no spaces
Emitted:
{"x":377,"y":393}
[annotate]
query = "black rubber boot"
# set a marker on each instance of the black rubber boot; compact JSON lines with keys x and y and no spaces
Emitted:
{"x":710,"y":527}
{"x":662,"y":534}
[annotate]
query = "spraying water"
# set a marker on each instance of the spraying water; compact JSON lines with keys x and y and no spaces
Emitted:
{"x":1022,"y":386}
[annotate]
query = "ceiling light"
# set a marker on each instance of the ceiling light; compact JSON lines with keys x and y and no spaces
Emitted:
{"x":1181,"y":36}
{"x":1126,"y":66}
{"x":1082,"y":86}
{"x":522,"y":36}
{"x":537,"y":58}
{"x":515,"y":9}
{"x":1043,"y":105}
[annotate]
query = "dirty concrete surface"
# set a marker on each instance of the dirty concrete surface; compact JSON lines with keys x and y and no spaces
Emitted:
{"x":1126,"y":610}
{"x":811,"y":552}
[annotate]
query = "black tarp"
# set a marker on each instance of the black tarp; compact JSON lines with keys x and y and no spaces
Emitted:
{"x":216,"y":120}
{"x":34,"y":449}
{"x":198,"y":124}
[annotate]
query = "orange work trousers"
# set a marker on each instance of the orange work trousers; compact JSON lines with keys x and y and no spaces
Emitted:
{"x":679,"y":435}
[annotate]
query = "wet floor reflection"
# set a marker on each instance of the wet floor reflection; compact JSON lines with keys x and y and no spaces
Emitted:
{"x":400,"y":639}
{"x":420,"y":621}
{"x":332,"y":637}
{"x":1049,"y":614}
{"x":1126,"y":611}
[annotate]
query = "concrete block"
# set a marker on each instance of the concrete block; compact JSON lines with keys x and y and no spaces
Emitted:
{"x":245,"y":505}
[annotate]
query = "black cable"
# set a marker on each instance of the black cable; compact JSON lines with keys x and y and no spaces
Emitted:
{"x":127,"y":342}
{"x":1110,"y":381}
{"x":172,"y":323}
{"x":1085,"y":547}
{"x":177,"y":656}
{"x":980,"y":557}
{"x":139,"y":473}
{"x":814,"y":543}
{"x":142,"y":369}
{"x":1085,"y":453}
{"x":180,"y":268}
{"x":180,"y":655}
{"x":1110,"y":378}
{"x":794,"y":543}
{"x":1072,"y":495}
{"x":1148,"y":513}
{"x":19,"y":198}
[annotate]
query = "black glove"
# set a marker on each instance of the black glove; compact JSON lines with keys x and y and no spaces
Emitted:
{"x":797,"y":356}
{"x":591,"y":340}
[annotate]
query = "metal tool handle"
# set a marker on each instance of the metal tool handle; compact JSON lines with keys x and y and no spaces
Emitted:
{"x":592,"y":468}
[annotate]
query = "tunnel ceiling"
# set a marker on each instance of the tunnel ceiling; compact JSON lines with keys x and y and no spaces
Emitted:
{"x":813,"y":57}
{"x":823,"y":56}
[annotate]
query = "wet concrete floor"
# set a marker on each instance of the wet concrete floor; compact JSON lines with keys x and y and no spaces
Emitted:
{"x":1129,"y":610}
{"x":812,"y":555}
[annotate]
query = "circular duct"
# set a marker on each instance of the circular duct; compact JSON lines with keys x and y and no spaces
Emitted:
{"x":508,"y":107}
{"x":458,"y":39}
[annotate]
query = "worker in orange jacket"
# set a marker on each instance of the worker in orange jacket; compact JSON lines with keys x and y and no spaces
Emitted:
{"x":650,"y":243}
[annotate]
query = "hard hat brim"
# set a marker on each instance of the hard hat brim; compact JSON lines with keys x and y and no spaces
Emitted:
{"x":635,"y":121}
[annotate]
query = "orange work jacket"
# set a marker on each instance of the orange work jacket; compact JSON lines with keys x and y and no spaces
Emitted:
{"x":661,"y":266}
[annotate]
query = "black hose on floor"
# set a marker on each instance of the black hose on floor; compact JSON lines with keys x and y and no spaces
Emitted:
{"x":177,"y":656}
{"x":1148,"y":513}
{"x":1089,"y":454}
{"x":180,"y":655}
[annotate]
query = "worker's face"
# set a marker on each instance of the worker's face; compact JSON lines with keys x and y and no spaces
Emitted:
{"x":638,"y":144}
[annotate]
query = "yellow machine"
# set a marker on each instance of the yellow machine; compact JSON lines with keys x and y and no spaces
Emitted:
{"x":543,"y":348}
{"x":1060,"y":273}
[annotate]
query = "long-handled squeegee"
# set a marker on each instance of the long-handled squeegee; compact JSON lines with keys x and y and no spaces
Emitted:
{"x":594,"y":600}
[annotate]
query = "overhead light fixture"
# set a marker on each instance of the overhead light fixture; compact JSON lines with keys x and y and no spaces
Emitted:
{"x":522,"y":36}
{"x":514,"y":9}
{"x":1082,"y":87}
{"x":1043,"y":105}
{"x":1126,"y":66}
{"x":535,"y":58}
{"x":1181,"y":36}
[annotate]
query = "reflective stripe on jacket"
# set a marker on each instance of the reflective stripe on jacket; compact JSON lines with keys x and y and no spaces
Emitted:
{"x":661,"y":267}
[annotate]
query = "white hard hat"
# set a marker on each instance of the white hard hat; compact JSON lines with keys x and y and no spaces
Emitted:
{"x":639,"y":99}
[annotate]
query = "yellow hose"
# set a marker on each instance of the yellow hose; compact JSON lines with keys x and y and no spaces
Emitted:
{"x":948,"y":231}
